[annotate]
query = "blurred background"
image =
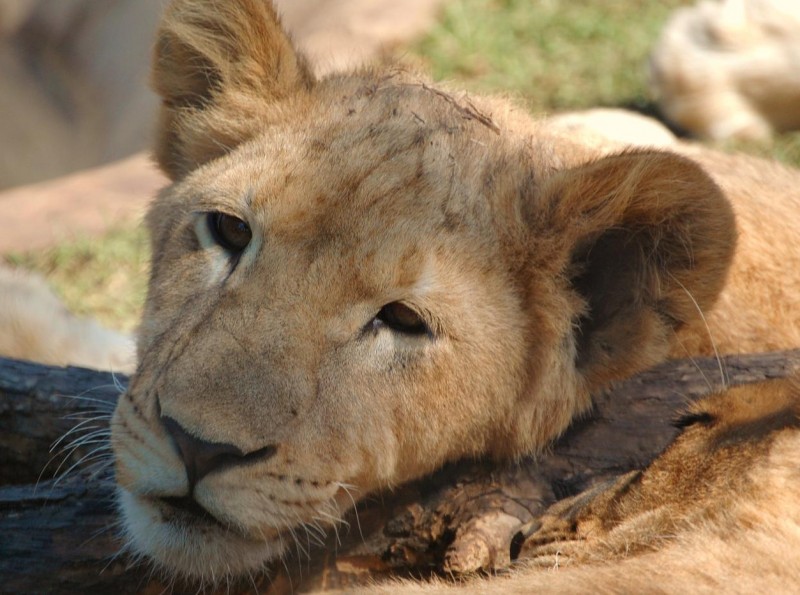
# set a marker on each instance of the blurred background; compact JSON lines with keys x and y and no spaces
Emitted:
{"x":76,"y":112}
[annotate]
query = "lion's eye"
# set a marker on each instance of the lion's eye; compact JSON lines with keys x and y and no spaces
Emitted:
{"x":228,"y":231}
{"x":403,"y":319}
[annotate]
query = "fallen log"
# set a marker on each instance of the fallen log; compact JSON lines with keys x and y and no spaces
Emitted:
{"x":59,"y":534}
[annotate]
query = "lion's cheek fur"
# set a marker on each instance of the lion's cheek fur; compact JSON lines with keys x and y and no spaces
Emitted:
{"x":190,"y":551}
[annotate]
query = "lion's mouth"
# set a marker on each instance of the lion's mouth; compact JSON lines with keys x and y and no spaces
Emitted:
{"x":186,"y":509}
{"x":179,"y":534}
{"x":186,"y":512}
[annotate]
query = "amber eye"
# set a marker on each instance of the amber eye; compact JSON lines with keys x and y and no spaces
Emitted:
{"x":403,"y":319}
{"x":228,"y":231}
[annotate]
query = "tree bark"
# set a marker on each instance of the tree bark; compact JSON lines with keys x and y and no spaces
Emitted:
{"x":60,"y":536}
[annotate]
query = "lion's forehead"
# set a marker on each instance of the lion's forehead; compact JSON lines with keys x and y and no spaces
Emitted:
{"x":360,"y":194}
{"x":385,"y":156}
{"x":378,"y":197}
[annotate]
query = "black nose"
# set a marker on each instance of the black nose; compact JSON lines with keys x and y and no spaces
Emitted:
{"x":201,"y":457}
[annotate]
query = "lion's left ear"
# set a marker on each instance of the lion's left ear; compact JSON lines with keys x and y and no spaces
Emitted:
{"x":224,"y":69}
{"x":646,"y":241}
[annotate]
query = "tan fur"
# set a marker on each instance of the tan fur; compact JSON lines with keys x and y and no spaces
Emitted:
{"x":605,"y":126}
{"x":729,"y":68}
{"x":543,"y":269}
{"x":36,"y":323}
{"x":719,"y":511}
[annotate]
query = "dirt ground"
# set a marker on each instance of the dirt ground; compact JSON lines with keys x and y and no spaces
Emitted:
{"x":76,"y":105}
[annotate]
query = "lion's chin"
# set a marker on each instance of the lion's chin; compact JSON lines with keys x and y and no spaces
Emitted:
{"x":191,"y":546}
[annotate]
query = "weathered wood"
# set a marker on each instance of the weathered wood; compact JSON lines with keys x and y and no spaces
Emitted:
{"x":59,"y":536}
{"x":38,"y":405}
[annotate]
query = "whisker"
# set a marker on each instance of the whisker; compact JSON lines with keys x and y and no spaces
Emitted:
{"x":90,"y":456}
{"x":104,"y":416}
{"x":105,"y":404}
{"x":96,"y":469}
{"x":288,"y":574}
{"x":102,"y":434}
{"x":334,"y":521}
{"x":311,"y":537}
{"x":252,"y":582}
{"x":720,"y":364}
{"x":65,"y":453}
{"x":117,"y":383}
{"x":347,"y":488}
{"x":71,"y":431}
{"x":298,"y":546}
{"x":265,"y":565}
{"x":314,"y":526}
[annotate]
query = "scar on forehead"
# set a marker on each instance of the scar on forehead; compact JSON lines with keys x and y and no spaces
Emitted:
{"x":249,"y":196}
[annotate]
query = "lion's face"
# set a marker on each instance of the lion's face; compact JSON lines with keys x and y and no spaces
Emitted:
{"x":359,"y":279}
{"x":358,"y":334}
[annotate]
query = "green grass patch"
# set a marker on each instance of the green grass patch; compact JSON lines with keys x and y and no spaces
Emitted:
{"x":553,"y":54}
{"x":556,"y":54}
{"x":784,"y":147}
{"x":104,"y":277}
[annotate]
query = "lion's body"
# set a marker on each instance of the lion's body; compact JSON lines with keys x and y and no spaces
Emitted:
{"x":358,"y":279}
{"x":719,"y":511}
{"x":36,"y":325}
{"x":766,"y":201}
{"x":728,"y":68}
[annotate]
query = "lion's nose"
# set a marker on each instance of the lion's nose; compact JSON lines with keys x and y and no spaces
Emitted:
{"x":201,"y":457}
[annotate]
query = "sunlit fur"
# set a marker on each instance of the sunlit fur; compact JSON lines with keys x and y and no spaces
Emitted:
{"x":718,"y":512}
{"x":36,"y":325}
{"x":543,"y":269}
{"x":728,"y":68}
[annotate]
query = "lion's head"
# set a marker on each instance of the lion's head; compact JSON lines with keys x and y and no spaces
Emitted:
{"x":359,"y":278}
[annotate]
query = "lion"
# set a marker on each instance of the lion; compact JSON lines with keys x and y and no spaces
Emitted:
{"x":358,"y":278}
{"x":37,"y":325}
{"x":728,"y":68}
{"x":718,"y":511}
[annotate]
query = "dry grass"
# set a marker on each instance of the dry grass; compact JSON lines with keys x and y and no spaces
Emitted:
{"x":102,"y":277}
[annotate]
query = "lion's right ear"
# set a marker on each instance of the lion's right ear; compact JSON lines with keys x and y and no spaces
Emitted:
{"x":224,"y":69}
{"x":646,"y":240}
